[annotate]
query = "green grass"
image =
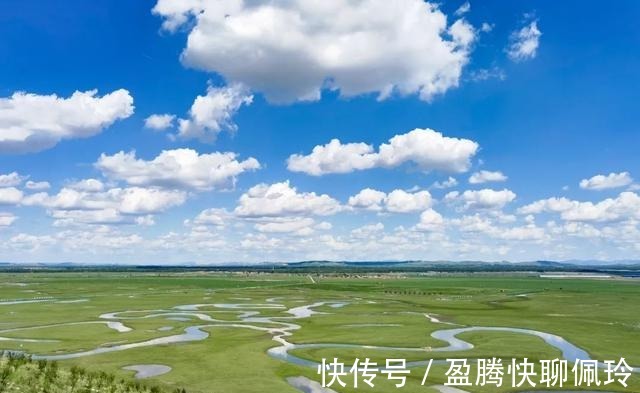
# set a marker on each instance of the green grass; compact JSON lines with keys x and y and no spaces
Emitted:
{"x":600,"y":316}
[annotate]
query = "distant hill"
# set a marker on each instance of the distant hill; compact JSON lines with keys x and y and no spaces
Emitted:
{"x":319,"y":266}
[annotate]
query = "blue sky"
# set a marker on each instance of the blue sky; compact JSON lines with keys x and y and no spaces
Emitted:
{"x":534,"y":101}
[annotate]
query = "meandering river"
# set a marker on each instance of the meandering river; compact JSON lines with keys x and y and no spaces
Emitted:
{"x":280,"y":327}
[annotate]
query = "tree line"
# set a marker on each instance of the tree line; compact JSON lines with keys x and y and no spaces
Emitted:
{"x":20,"y":373}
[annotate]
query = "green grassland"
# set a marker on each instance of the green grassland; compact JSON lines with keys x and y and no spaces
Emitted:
{"x":599,"y":316}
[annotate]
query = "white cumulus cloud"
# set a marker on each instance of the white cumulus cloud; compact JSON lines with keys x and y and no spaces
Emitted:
{"x":482,"y":199}
{"x":10,"y":196}
{"x":212,"y":216}
{"x":292,"y":50}
{"x":603,"y":182}
{"x":88,"y":185}
{"x":397,"y":201}
{"x":334,"y":157}
{"x":31,"y":122}
{"x":449,"y":183}
{"x":281,"y":199}
{"x":624,"y":207}
{"x":11,"y":179}
{"x":430,"y":220}
{"x":182,"y":168}
{"x":487,"y":176}
{"x":159,"y":122}
{"x":273,"y":208}
{"x":213,"y":112}
{"x":37,"y":185}
{"x":547,"y":205}
{"x":427,"y":149}
{"x":368,"y":199}
{"x":115,"y":205}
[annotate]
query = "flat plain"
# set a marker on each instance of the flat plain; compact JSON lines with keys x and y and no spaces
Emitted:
{"x":250,"y":332}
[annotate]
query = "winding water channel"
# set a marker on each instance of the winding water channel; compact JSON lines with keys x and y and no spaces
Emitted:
{"x":281,"y":327}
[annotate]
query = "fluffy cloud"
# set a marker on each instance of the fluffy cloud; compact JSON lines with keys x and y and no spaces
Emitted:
{"x":273,"y":208}
{"x":292,"y":50}
{"x":14,"y":179}
{"x":482,"y":199}
{"x":26,"y":242}
{"x":105,"y":216}
{"x":449,"y":183}
{"x":548,"y":205}
{"x":487,"y":176}
{"x":473,"y":224}
{"x":279,"y":219}
{"x":213,"y":216}
{"x":114,"y":205}
{"x":97,"y":242}
{"x":368,"y":198}
{"x":430,"y":220}
{"x":37,"y":185}
{"x":88,"y":185}
{"x":213,"y":112}
{"x":132,"y":200}
{"x":6,"y":219}
{"x":427,"y":149}
{"x":523,"y":43}
{"x":624,"y":207}
{"x":11,"y":179}
{"x":137,"y":200}
{"x":159,"y":122}
{"x":280,"y":199}
{"x":334,"y":157}
{"x":147,"y":220}
{"x":181,"y":168}
{"x":10,"y":196}
{"x":574,"y":229}
{"x":31,"y":122}
{"x":603,"y":182}
{"x":397,"y":201}
{"x":478,"y":224}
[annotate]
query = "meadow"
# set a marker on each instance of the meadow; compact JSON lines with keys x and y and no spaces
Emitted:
{"x":250,"y":332}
